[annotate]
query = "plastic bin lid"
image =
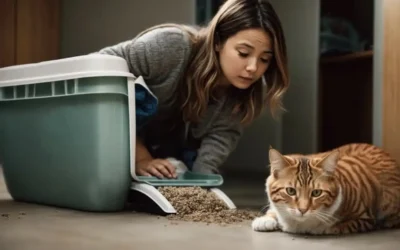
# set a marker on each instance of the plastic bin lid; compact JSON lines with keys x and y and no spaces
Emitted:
{"x":92,"y":65}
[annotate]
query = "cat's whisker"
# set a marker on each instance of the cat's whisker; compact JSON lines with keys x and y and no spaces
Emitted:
{"x":322,"y":219}
{"x":264,"y":209}
{"x":322,"y":216}
{"x":326,"y":218}
{"x":328,"y":215}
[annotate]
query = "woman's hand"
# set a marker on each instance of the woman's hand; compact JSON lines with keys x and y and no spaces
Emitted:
{"x":160,"y":168}
{"x":146,"y":165}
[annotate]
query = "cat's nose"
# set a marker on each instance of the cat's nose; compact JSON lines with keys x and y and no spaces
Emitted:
{"x":303,"y":210}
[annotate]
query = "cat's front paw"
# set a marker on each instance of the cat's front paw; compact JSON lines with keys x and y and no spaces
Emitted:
{"x":264,"y":224}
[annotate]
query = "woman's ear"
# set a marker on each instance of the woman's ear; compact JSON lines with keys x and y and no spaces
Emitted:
{"x":218,"y":47}
{"x":217,"y":43}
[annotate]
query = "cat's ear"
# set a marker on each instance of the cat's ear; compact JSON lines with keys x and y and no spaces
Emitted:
{"x":277,"y":161}
{"x":329,"y":162}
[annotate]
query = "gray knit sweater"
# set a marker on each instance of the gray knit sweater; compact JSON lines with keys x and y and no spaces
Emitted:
{"x":160,"y":57}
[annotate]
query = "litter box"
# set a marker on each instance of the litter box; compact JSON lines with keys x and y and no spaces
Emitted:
{"x":68,"y":132}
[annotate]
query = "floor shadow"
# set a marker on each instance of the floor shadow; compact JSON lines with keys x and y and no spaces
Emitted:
{"x":246,"y":190}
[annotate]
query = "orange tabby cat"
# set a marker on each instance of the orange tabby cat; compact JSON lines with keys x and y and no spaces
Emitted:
{"x":355,"y":188}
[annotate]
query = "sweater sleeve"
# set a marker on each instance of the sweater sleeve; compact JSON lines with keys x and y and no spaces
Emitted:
{"x":218,"y":144}
{"x":159,"y":56}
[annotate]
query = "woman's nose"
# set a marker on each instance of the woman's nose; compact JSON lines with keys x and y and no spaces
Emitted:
{"x":252,"y":66}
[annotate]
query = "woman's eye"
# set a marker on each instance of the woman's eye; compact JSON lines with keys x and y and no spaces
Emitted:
{"x":316,"y":192}
{"x":291,"y":191}
{"x":243,"y":54}
{"x":265,"y":60}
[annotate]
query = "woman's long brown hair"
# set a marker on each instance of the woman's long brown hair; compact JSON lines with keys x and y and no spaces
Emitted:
{"x":203,"y":69}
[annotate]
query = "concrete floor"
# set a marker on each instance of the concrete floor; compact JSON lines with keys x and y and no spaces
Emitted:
{"x":30,"y":226}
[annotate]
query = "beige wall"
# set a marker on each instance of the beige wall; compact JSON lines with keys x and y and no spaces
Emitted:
{"x":89,"y":25}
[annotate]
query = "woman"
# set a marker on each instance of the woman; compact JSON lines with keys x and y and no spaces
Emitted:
{"x":209,"y":83}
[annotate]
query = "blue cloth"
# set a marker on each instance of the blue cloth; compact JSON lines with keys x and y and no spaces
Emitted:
{"x":189,"y":156}
{"x":146,"y":107}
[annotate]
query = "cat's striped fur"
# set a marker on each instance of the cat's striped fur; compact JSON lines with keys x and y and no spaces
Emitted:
{"x":355,"y":188}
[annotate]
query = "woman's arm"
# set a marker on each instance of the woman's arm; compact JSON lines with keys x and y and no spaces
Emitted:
{"x":217,"y":145}
{"x":142,"y":154}
{"x":159,"y":56}
{"x":147,"y":165}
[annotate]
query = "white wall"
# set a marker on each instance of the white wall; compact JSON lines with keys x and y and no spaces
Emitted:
{"x":89,"y":25}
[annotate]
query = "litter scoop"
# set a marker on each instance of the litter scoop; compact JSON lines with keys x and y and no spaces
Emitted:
{"x":185,"y":178}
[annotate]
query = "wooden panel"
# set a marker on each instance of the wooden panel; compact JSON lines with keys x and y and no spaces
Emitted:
{"x":347,"y":58}
{"x":391,"y":78}
{"x":7,"y":32}
{"x":38,"y":32}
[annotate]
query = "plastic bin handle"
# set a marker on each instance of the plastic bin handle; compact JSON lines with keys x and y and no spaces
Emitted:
{"x":132,"y":125}
{"x":132,"y":82}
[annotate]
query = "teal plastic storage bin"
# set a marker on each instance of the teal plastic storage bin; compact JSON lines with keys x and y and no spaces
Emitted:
{"x":64,"y":132}
{"x":68,"y":133}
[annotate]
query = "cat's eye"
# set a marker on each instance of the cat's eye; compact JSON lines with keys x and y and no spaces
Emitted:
{"x":291,"y":191}
{"x":316,"y":192}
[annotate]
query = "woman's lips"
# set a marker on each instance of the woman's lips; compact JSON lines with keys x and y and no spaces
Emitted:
{"x":248,"y":79}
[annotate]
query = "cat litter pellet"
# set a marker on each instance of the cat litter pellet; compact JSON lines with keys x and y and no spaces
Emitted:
{"x":200,"y":205}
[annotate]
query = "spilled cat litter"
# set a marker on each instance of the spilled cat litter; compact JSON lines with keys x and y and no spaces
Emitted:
{"x":200,"y":205}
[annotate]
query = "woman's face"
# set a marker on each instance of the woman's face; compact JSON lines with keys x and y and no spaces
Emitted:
{"x":245,"y":57}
